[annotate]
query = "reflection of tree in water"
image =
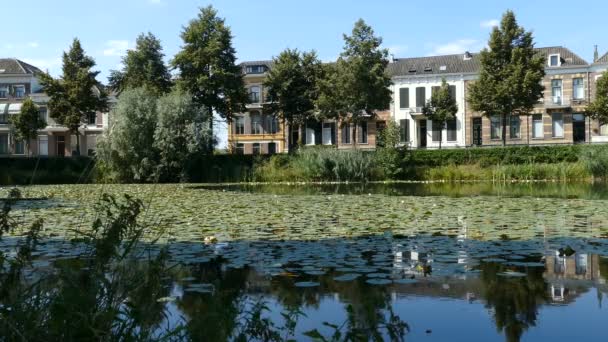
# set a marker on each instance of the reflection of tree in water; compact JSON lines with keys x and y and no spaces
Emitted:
{"x":514,"y":300}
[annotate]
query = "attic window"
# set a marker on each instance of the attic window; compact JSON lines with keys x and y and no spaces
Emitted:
{"x":256,"y":69}
{"x":443,"y":68}
{"x":554,"y":60}
{"x":467,"y":56}
{"x":412,"y":70}
{"x":428,"y":69}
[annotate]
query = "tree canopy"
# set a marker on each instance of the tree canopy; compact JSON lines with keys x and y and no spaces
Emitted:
{"x":143,"y":67}
{"x":511,"y":73}
{"x":26,"y":124}
{"x":441,"y":107}
{"x":76,"y":93}
{"x":598,"y":109}
{"x":357,"y":85}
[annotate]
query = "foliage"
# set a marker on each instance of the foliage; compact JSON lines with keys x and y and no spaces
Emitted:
{"x":441,"y":107}
{"x":357,"y":86}
{"x":51,"y":170}
{"x":596,"y":161}
{"x":510,"y":75}
{"x":179,"y":135}
{"x":207,"y":66}
{"x":76,"y":93}
{"x":143,"y":67}
{"x":598,"y":109}
{"x":292,"y":84}
{"x":125,"y":152}
{"x":26,"y":124}
{"x":388,"y":158}
{"x":562,"y":172}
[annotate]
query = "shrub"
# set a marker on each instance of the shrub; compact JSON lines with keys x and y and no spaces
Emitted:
{"x":596,"y":161}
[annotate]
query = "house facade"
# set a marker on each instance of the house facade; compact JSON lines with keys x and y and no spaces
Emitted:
{"x":256,"y":132}
{"x":18,"y":81}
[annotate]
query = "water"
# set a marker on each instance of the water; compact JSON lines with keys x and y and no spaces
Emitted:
{"x":469,"y":262}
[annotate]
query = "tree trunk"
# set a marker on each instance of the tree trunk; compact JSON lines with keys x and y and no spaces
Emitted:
{"x":355,"y":136}
{"x":504,"y":130}
{"x":77,"y":143}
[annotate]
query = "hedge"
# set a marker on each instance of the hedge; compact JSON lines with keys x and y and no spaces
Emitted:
{"x":48,"y":170}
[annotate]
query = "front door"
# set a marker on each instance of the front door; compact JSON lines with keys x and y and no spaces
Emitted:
{"x":578,"y":128}
{"x":476,"y":131}
{"x":422,"y":124}
{"x":61,"y":146}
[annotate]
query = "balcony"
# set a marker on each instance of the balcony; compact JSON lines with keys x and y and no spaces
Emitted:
{"x":554,"y":102}
{"x":416,"y":111}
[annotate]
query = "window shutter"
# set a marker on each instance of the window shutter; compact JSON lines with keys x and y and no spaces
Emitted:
{"x":404,"y":98}
{"x":420,"y":96}
{"x":452,"y":89}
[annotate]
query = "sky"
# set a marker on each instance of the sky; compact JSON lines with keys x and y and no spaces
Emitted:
{"x":38,"y":31}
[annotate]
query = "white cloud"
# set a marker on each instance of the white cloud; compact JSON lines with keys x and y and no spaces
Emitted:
{"x":116,"y":47}
{"x":396,"y":50}
{"x":457,"y":46}
{"x":489,"y":23}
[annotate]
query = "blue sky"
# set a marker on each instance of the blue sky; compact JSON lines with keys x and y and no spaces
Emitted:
{"x":37,"y":31}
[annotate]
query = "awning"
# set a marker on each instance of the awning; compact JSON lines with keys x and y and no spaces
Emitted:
{"x":14,"y":108}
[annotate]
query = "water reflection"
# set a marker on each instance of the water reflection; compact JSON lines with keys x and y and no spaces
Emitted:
{"x":367,"y":288}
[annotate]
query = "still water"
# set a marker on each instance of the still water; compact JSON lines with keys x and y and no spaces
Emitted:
{"x":470,"y":262}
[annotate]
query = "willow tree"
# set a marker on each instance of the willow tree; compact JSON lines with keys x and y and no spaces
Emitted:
{"x":510,"y":75}
{"x":441,"y":108}
{"x":357,"y":85}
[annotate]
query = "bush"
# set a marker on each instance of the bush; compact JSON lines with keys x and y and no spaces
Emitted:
{"x":596,"y":161}
{"x":51,"y":170}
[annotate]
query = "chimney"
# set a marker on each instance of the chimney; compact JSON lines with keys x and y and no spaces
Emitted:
{"x":467,"y":56}
{"x":595,"y":54}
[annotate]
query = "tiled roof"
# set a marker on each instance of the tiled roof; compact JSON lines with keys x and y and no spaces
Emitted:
{"x":568,"y":57}
{"x":15,"y":66}
{"x":603,"y":59}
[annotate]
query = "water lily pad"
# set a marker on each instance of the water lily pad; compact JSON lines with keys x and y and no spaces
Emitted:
{"x":306,"y":284}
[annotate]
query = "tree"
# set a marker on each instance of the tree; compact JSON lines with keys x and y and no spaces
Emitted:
{"x":357,"y":85}
{"x":598,"y":109}
{"x":207,"y":67}
{"x":510,"y":75}
{"x":26,"y":124}
{"x":387,"y":157}
{"x":76,"y":93}
{"x":178,"y":135}
{"x":125,"y":152}
{"x":143,"y":67}
{"x":292,"y":86}
{"x":441,"y":108}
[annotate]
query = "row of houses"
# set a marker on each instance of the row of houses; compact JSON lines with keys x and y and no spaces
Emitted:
{"x":20,"y":80}
{"x":558,"y":118}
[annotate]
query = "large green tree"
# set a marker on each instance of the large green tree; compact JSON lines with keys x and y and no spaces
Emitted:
{"x":76,"y":93}
{"x":207,"y":66}
{"x":178,"y":135}
{"x":598,"y":109}
{"x":143,"y":67}
{"x":357,"y":85}
{"x":510,"y":75}
{"x":125,"y":152}
{"x":441,"y":108}
{"x":26,"y":124}
{"x":292,"y":84}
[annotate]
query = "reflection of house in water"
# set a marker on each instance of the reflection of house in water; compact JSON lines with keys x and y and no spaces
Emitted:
{"x":562,"y":271}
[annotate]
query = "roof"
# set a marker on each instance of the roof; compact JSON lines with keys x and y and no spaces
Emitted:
{"x":568,"y":57}
{"x":15,"y":66}
{"x":603,"y":59}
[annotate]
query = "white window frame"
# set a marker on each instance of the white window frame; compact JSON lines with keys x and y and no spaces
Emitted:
{"x":326,"y":133}
{"x":42,"y":138}
{"x":496,"y":119}
{"x":542,"y":125}
{"x":20,"y":86}
{"x":554,"y":125}
{"x":603,"y":130}
{"x":575,"y":87}
{"x":360,"y":136}
{"x":310,"y":135}
{"x":559,"y":60}
{"x":259,"y":94}
{"x":557,"y":99}
{"x":5,"y":89}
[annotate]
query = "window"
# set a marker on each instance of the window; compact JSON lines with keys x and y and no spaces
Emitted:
{"x":3,"y":143}
{"x":557,"y":125}
{"x":451,"y":125}
{"x":3,"y":92}
{"x":362,"y":133}
{"x":240,"y":148}
{"x":537,"y":126}
{"x":554,"y":60}
{"x":43,"y":145}
{"x":346,"y":134}
{"x":272,"y":124}
{"x":272,"y":148}
{"x":420,"y":96}
{"x":91,"y":145}
{"x":254,"y":94}
{"x":436,"y":126}
{"x":92,"y":118}
{"x":256,"y":148}
{"x":578,"y":89}
{"x":495,"y":127}
{"x":452,"y":90}
{"x":43,"y":114}
{"x":310,"y":135}
{"x":256,"y":69}
{"x":404,"y":131}
{"x":256,"y":124}
{"x":580,"y":263}
{"x":20,"y":91}
{"x":514,"y":127}
{"x":404,"y":98}
{"x":19,"y":147}
{"x":328,"y":133}
{"x":239,"y":125}
{"x":604,"y":129}
{"x":556,"y":91}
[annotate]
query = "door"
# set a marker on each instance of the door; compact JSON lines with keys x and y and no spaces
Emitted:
{"x":61,"y":146}
{"x":272,"y":148}
{"x":43,"y":145}
{"x":422,"y":124}
{"x":578,"y":128}
{"x":328,"y":130}
{"x":476,"y":131}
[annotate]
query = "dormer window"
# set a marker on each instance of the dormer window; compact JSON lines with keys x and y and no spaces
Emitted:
{"x":256,"y":69}
{"x":554,"y":60}
{"x":428,"y":69}
{"x":19,"y":91}
{"x":443,"y":68}
{"x":412,"y":70}
{"x":467,"y":56}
